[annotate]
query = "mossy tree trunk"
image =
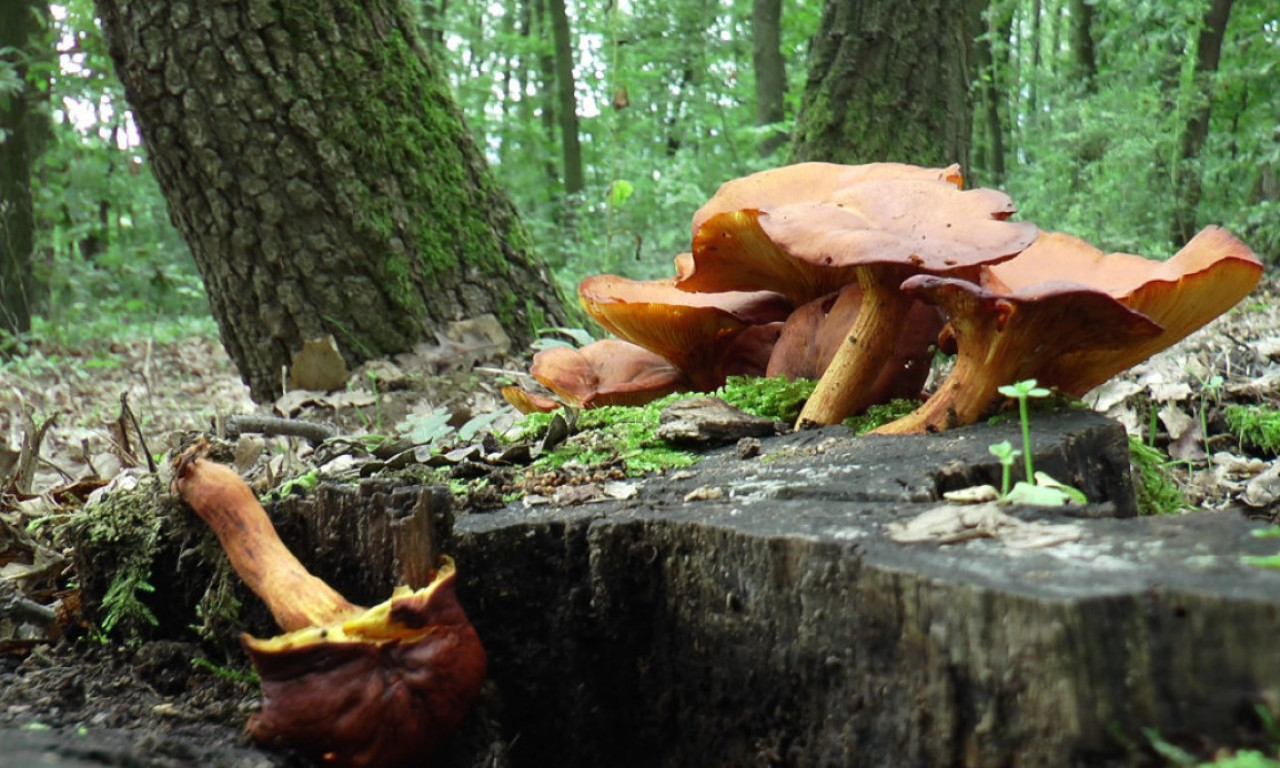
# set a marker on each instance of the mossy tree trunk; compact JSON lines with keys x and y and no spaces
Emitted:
{"x":889,"y":80}
{"x":313,"y":158}
{"x":20,"y":27}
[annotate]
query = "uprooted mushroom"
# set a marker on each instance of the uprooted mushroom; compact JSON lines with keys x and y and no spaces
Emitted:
{"x":383,"y":686}
{"x":1071,"y":316}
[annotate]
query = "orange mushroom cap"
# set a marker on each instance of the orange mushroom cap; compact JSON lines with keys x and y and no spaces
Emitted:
{"x":1003,"y":338}
{"x":1211,"y":273}
{"x":1071,"y":317}
{"x":605,"y":372}
{"x":809,"y":182}
{"x":695,"y":332}
{"x":527,"y":402}
{"x":806,"y":250}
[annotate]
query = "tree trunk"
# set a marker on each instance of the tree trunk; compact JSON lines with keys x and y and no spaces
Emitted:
{"x":1187,"y":181}
{"x":889,"y":80}
{"x":568,"y":102}
{"x":770,"y":69}
{"x":19,"y":28}
{"x":1083,"y":56}
{"x":313,"y":158}
{"x":546,"y":89}
{"x":991,"y":74}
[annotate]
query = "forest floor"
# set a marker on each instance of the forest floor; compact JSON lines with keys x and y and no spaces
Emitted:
{"x":67,"y":699}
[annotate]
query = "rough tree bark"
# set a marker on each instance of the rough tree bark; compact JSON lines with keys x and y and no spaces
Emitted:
{"x":313,"y":158}
{"x":889,"y":80}
{"x":19,"y":28}
{"x":1187,"y":181}
{"x":771,"y":70}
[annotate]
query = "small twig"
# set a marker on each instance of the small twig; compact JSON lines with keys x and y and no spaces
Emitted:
{"x":269,"y":425}
{"x":70,"y":478}
{"x":142,"y":441}
{"x":88,"y":459}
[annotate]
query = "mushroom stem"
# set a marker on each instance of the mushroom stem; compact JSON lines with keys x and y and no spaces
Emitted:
{"x":221,"y":498}
{"x":846,"y":387}
{"x":969,"y":392}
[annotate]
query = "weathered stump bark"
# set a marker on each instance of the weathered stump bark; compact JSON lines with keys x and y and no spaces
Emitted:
{"x":780,"y":626}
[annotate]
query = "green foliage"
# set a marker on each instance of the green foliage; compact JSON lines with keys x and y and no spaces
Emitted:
{"x":1256,"y":426}
{"x":1023,"y":391}
{"x":1007,"y":455}
{"x":1100,"y":159}
{"x":1158,"y":491}
{"x":110,"y":264}
{"x":249,"y":676}
{"x":689,"y":125}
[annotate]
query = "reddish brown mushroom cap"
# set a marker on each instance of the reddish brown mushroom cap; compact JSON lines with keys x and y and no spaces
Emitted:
{"x":605,"y":372}
{"x":809,"y":182}
{"x":695,"y":332}
{"x":1006,"y":338}
{"x":1212,"y":273}
{"x":815,"y":331}
{"x":1071,"y":317}
{"x":383,"y":689}
{"x":806,"y":250}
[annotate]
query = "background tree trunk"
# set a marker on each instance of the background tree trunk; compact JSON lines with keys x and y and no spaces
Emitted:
{"x":568,"y":101}
{"x":19,"y":36}
{"x":1083,"y":54}
{"x":770,"y":69}
{"x":889,"y":80}
{"x":313,"y":158}
{"x":1187,"y":180}
{"x":992,"y":72}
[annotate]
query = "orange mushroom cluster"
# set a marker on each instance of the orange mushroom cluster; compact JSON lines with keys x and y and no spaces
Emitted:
{"x":773,"y":285}
{"x":847,"y":274}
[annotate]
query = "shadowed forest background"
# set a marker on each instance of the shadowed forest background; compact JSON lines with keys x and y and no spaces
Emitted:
{"x":1128,"y":124}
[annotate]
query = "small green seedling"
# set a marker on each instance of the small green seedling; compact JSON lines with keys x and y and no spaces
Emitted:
{"x":1023,"y":391}
{"x":1007,"y":454}
{"x":1038,"y":489}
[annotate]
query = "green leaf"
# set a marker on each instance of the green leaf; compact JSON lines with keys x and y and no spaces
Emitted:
{"x":619,"y":192}
{"x":1036,"y":495}
{"x":1073,"y":494}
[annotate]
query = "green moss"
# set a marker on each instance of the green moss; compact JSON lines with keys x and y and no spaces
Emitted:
{"x":123,"y":530}
{"x":1255,"y":426}
{"x":620,"y":434}
{"x":879,"y":415}
{"x":1158,"y":491}
{"x":777,"y":398}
